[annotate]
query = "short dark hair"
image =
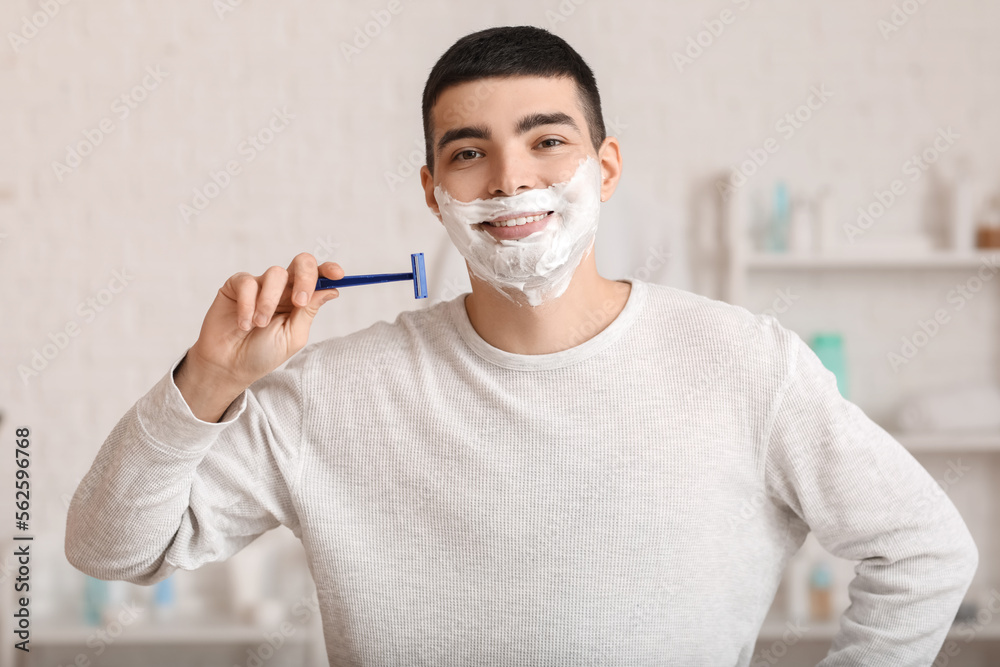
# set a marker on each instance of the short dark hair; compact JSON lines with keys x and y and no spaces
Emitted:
{"x":509,"y":51}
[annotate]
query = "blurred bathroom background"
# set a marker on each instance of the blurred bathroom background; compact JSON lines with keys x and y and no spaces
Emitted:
{"x":834,"y":164}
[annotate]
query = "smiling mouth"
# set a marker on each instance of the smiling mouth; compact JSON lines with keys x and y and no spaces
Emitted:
{"x":515,"y":220}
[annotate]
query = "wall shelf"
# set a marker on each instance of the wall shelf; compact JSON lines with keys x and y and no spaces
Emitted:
{"x":744,"y":267}
{"x":971,"y":441}
{"x":204,"y":633}
{"x":774,"y":628}
{"x":757,"y":261}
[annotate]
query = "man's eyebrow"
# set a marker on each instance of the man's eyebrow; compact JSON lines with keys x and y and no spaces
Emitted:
{"x":534,"y":120}
{"x":468,"y":132}
{"x":526,"y":124}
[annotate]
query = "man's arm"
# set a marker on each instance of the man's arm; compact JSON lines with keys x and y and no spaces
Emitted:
{"x":867,"y":499}
{"x":168,"y":490}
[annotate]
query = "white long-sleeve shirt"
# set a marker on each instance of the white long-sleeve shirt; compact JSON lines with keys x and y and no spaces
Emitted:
{"x":631,"y":500}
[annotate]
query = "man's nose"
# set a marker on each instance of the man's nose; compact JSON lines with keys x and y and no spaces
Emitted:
{"x":510,"y":174}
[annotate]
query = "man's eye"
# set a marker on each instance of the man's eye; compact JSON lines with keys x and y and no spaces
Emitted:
{"x":550,"y":145}
{"x":459,"y":155}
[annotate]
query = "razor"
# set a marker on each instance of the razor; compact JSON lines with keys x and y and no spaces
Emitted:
{"x":417,"y":275}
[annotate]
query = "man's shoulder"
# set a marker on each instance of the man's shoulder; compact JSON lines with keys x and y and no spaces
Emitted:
{"x":702,"y":321}
{"x":698,"y":310}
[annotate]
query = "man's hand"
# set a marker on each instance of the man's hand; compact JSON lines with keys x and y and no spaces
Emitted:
{"x":255,"y":324}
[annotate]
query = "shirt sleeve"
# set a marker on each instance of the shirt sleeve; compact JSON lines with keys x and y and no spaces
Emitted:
{"x":867,"y":499}
{"x":169,"y":491}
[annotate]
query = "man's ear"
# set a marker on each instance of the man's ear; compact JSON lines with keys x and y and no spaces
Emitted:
{"x":427,"y":182}
{"x":610,"y":157}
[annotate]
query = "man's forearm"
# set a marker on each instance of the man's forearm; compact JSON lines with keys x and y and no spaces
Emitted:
{"x":901,"y":611}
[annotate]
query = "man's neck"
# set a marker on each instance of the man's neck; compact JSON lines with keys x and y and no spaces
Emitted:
{"x":586,"y":308}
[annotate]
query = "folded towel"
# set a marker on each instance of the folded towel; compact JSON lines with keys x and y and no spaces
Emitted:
{"x":966,"y":408}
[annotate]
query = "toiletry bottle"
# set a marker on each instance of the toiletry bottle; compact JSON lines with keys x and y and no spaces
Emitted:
{"x":163,"y":600}
{"x":800,"y":230}
{"x":829,"y":347}
{"x":758,"y":224}
{"x":797,"y":592}
{"x":962,"y":214}
{"x":118,"y":598}
{"x":988,"y":229}
{"x":95,"y":597}
{"x":820,"y":594}
{"x":778,"y":230}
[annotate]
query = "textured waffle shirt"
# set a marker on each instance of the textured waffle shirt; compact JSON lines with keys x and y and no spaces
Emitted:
{"x":631,"y":500}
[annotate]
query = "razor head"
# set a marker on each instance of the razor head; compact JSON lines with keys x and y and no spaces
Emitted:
{"x":419,"y":276}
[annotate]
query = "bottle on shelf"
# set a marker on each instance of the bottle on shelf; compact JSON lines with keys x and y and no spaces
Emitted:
{"x":777,"y":231}
{"x":829,"y":347}
{"x":988,"y":230}
{"x":820,"y":593}
{"x":800,"y":229}
{"x":95,"y":598}
{"x":962,"y":213}
{"x":163,"y":600}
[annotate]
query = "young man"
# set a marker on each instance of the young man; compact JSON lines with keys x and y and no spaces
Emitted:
{"x":556,"y":468}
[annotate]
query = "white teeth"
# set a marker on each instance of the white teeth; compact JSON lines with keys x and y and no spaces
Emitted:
{"x":514,"y":222}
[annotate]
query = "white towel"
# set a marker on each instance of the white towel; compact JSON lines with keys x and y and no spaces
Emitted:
{"x":963,"y":408}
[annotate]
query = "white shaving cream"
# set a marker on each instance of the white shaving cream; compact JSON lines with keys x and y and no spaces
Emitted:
{"x":540,"y":265}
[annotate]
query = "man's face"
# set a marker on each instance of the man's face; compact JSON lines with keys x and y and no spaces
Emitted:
{"x":503,"y":136}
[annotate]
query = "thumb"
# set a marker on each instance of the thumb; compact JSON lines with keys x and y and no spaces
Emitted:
{"x":302,"y":316}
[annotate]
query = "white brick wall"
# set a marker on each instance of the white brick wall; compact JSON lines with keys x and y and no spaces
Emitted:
{"x":323,"y":179}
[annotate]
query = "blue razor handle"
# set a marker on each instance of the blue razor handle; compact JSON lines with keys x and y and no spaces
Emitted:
{"x":418,"y":276}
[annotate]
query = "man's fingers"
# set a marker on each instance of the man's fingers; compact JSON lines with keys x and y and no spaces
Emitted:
{"x":258,"y":297}
{"x":244,"y":286}
{"x":303,"y":272}
{"x":273,"y":284}
{"x":331,"y":270}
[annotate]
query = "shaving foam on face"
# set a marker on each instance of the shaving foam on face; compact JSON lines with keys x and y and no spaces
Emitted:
{"x":540,"y":265}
